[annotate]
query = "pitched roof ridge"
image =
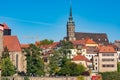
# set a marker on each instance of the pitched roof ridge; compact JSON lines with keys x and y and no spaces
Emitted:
{"x":90,"y":41}
{"x":80,"y":57}
{"x":108,"y":48}
{"x":90,"y":32}
{"x":12,"y":42}
{"x":5,"y":26}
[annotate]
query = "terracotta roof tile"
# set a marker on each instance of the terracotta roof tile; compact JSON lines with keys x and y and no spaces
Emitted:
{"x":53,"y":45}
{"x":106,"y":49}
{"x":24,"y":45}
{"x":37,"y":43}
{"x":100,"y":38}
{"x":12,"y":43}
{"x":90,"y":41}
{"x":80,"y":58}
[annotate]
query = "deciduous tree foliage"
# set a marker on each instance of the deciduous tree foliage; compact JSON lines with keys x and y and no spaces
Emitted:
{"x":71,"y":69}
{"x":118,"y":67}
{"x":60,"y":63}
{"x":8,"y":69}
{"x":35,"y":65}
{"x":110,"y":76}
{"x":46,"y":42}
{"x":54,"y":63}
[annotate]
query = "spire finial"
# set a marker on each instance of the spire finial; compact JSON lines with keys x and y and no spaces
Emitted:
{"x":70,"y":8}
{"x":70,"y":17}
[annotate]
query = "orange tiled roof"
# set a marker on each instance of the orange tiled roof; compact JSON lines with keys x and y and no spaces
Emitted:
{"x":95,"y":36}
{"x":80,"y":58}
{"x":90,"y":41}
{"x":53,"y":45}
{"x":24,"y":45}
{"x":37,"y":43}
{"x":12,"y":43}
{"x":106,"y":49}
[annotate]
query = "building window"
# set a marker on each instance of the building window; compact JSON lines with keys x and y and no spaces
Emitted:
{"x":107,"y":60}
{"x":96,"y":63}
{"x":107,"y":65}
{"x":17,"y":61}
{"x":96,"y":68}
{"x":108,"y":54}
{"x":105,"y":39}
{"x":99,"y":39}
{"x":95,"y":59}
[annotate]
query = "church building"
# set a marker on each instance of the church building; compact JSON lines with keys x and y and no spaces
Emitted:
{"x":99,"y":38}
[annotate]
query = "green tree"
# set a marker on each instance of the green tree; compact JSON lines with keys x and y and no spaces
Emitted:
{"x":65,"y":47}
{"x":35,"y":64}
{"x":8,"y":69}
{"x":5,"y":54}
{"x":54,"y":62}
{"x":46,"y":42}
{"x":110,"y":76}
{"x":71,"y":69}
{"x":118,"y":67}
{"x":59,"y":57}
{"x":26,"y":78}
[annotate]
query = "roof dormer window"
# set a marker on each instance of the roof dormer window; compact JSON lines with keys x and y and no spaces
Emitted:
{"x":105,"y":39}
{"x":99,"y":39}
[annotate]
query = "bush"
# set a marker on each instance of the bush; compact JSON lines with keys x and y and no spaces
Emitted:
{"x":26,"y":78}
{"x":111,"y":75}
{"x":80,"y":78}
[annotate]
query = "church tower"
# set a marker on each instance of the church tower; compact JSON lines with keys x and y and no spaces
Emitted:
{"x":70,"y":27}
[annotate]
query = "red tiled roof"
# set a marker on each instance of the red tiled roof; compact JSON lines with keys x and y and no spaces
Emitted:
{"x":78,"y":42}
{"x":12,"y":43}
{"x":37,"y":43}
{"x":106,"y":49}
{"x":53,"y":45}
{"x":24,"y":45}
{"x":90,"y":41}
{"x":80,"y":58}
{"x":5,"y":26}
{"x":95,"y":36}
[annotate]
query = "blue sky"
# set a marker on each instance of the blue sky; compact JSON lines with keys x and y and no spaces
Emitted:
{"x":33,"y":20}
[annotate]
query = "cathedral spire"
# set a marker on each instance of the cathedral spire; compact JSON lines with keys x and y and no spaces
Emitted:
{"x":70,"y":8}
{"x":70,"y":17}
{"x":70,"y":26}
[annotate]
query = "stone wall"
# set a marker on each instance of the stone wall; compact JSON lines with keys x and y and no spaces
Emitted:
{"x":41,"y":78}
{"x":45,"y":78}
